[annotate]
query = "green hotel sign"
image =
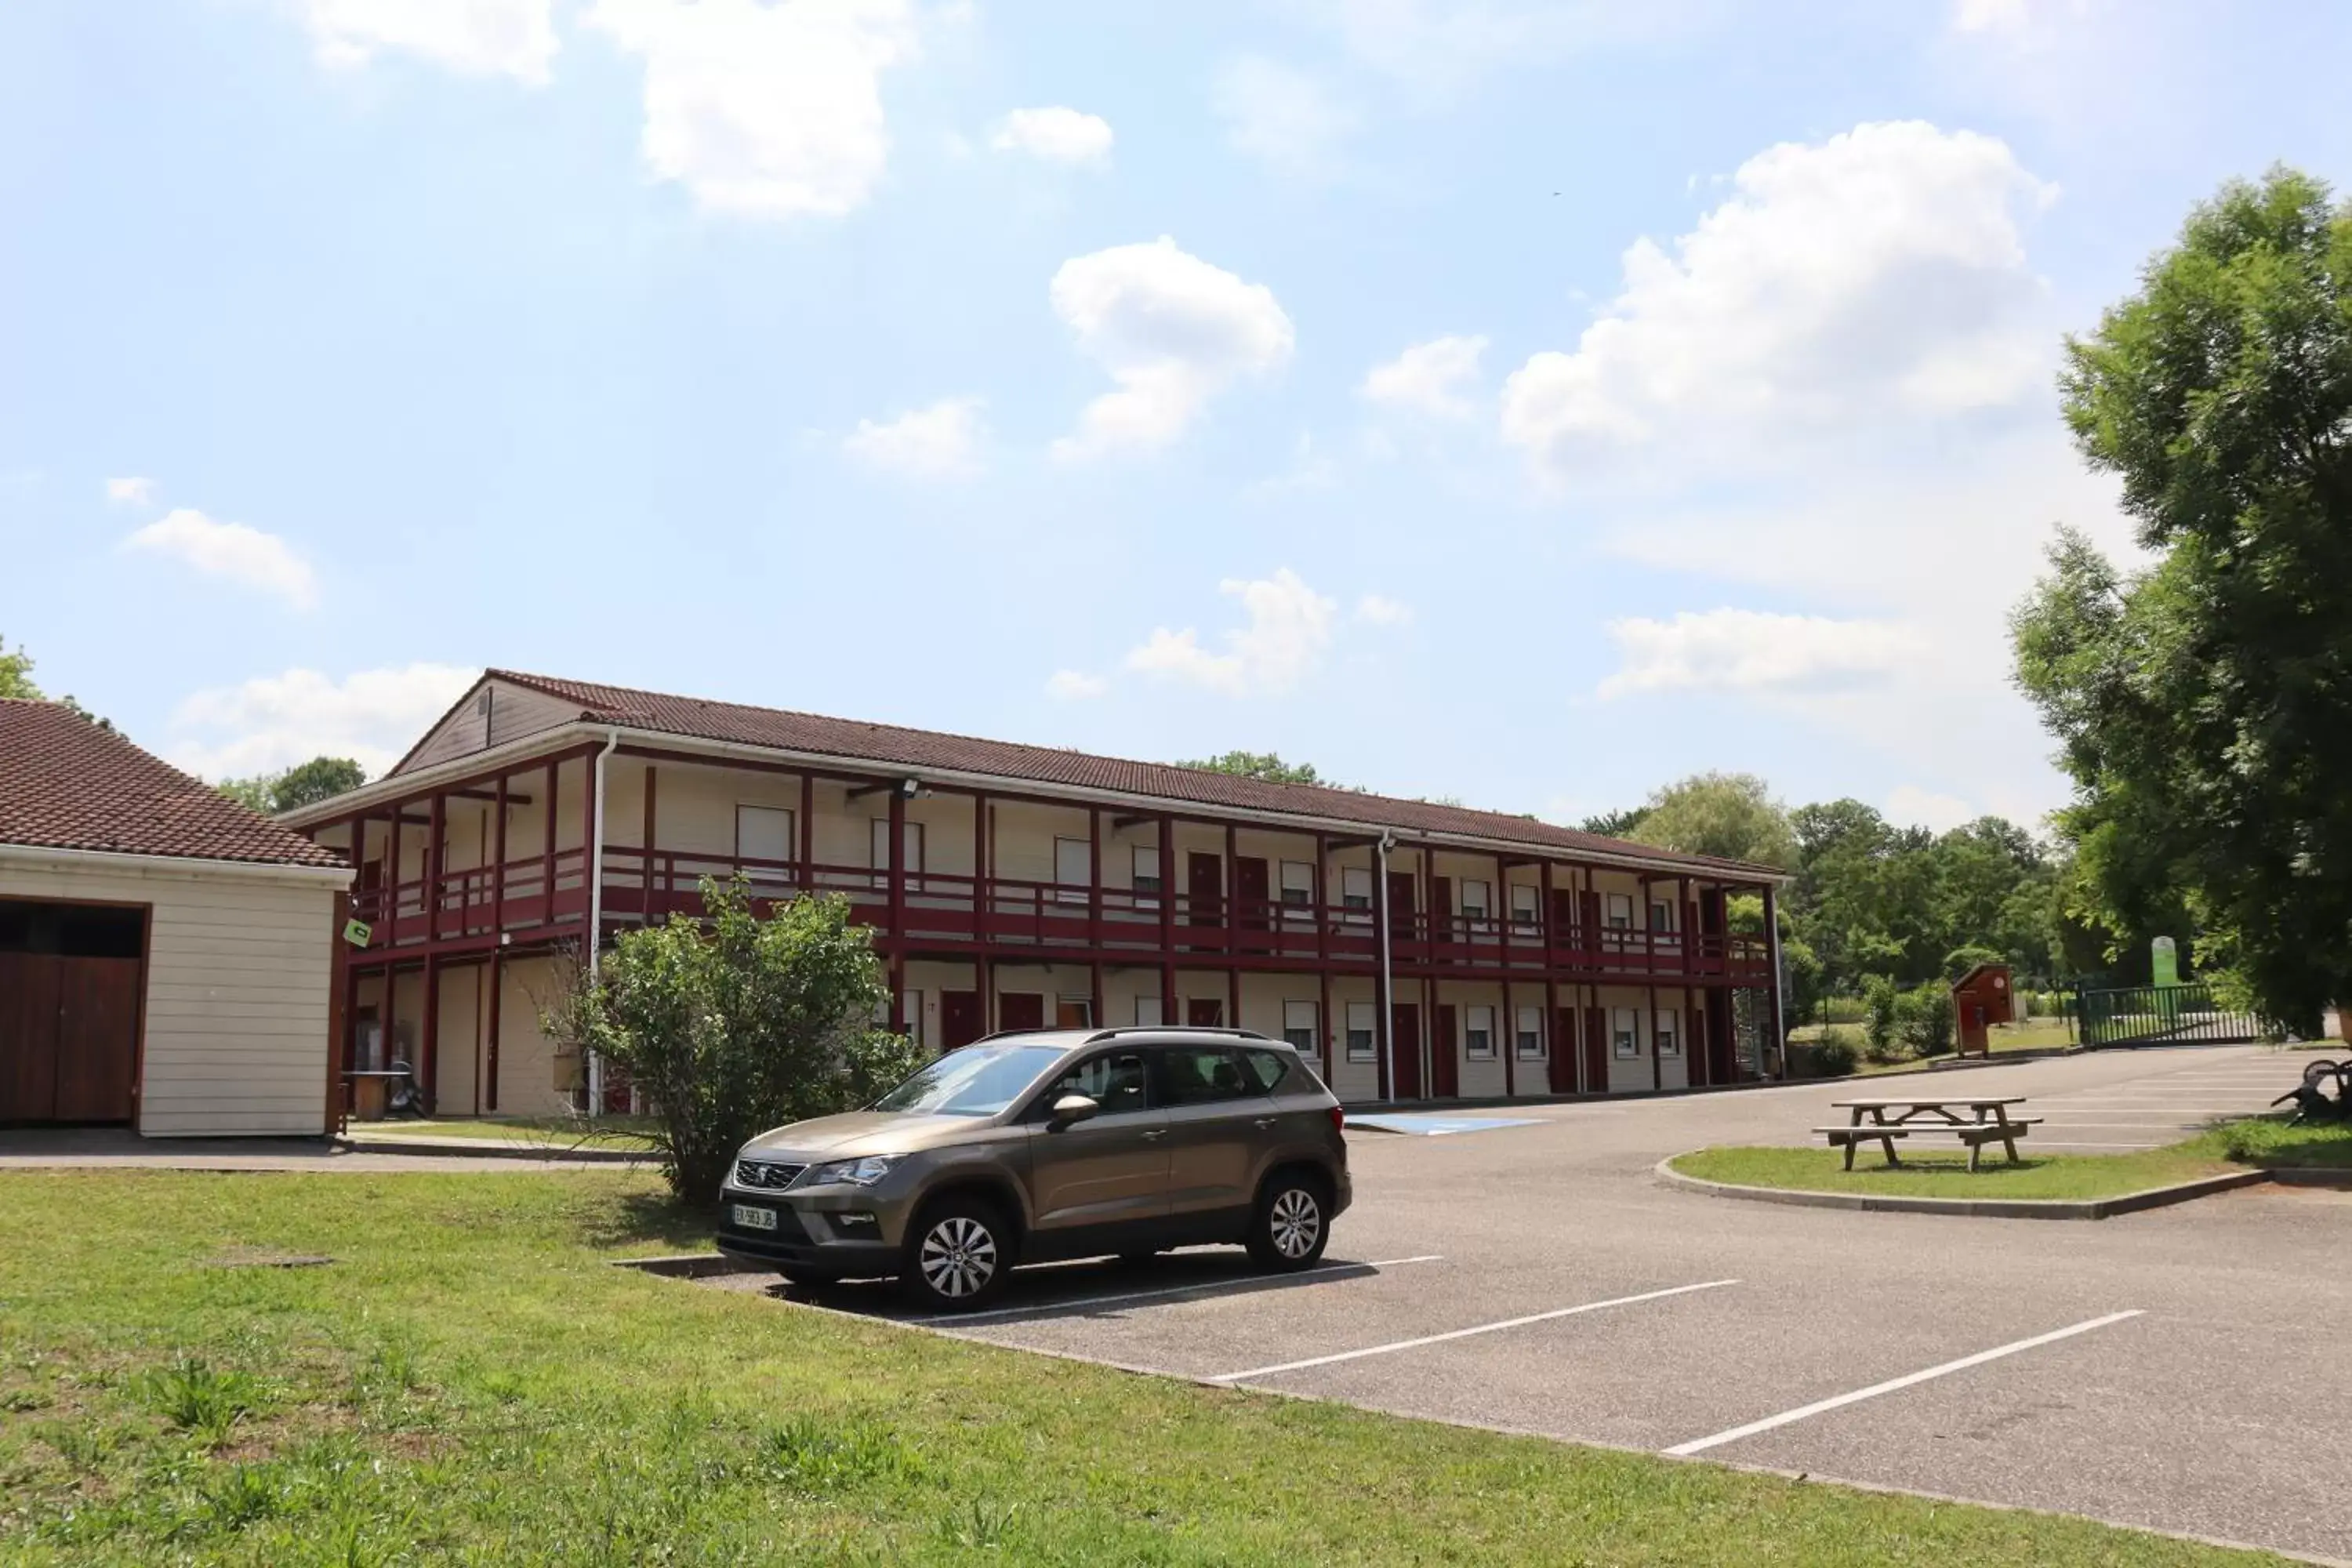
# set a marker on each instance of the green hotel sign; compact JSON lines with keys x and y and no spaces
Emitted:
{"x":2164,"y":961}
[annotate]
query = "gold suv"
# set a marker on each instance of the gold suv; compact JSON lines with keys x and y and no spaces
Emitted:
{"x":1059,"y":1143}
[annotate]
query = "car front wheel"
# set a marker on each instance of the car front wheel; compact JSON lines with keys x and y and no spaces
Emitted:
{"x":958,"y":1256}
{"x":1293,"y":1224}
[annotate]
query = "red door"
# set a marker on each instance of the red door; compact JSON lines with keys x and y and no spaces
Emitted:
{"x":1020,"y":1010}
{"x":1404,"y":1028}
{"x":1251,"y":895}
{"x":1596,"y":1050}
{"x":1400,"y":905}
{"x":1564,"y":918}
{"x":68,"y":1036}
{"x":28,"y":1037}
{"x":1205,"y":1013}
{"x":960,"y":1020}
{"x":1444,"y":1054}
{"x":1563,"y":1050}
{"x":1442,"y":927}
{"x":1205,"y":889}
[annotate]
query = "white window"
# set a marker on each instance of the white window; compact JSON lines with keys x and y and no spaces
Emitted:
{"x":1669,"y":1034}
{"x":1355,"y":887}
{"x":1360,"y":1031}
{"x":1527,"y":912}
{"x":1298,"y":883}
{"x":764,"y":836}
{"x":1662,"y":914}
{"x":1146,"y":1012}
{"x":1478,"y":1033}
{"x":1530,"y":1044}
{"x":912,"y":850}
{"x":1625,"y":1032}
{"x":1074,"y":870}
{"x":1146,"y":873}
{"x":1298,"y":1027}
{"x":912,"y":1010}
{"x":1620,"y":911}
{"x":1474,"y":901}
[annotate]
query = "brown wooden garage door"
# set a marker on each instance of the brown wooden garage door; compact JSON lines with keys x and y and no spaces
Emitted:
{"x":70,"y":979}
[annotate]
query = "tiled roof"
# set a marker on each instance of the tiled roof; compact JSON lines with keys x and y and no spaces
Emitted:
{"x":921,"y":749}
{"x":66,"y":783}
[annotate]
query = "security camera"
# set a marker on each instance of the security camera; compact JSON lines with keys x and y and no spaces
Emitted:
{"x":910,"y":788}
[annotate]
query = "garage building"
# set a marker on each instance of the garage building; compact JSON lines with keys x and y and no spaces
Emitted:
{"x":166,"y":956}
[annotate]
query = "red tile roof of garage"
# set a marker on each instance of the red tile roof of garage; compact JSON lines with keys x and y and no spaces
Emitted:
{"x":66,"y":783}
{"x":919,"y":749}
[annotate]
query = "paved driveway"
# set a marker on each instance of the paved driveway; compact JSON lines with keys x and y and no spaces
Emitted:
{"x":2167,"y":1369}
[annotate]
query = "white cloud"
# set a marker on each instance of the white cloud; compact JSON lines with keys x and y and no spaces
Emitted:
{"x":1075,"y":686}
{"x":1439,"y":48}
{"x":1289,"y":631}
{"x":1428,"y":378}
{"x":1990,"y":15}
{"x":1171,"y":330}
{"x":1752,"y":652}
{"x":1876,"y":275}
{"x":275,"y":721}
{"x":1908,"y":805}
{"x":940,"y":442}
{"x":1311,"y":468}
{"x":1057,"y":135}
{"x":231,"y":549}
{"x":765,"y":110}
{"x":482,"y":37}
{"x":1380,"y":610}
{"x":130,"y":491}
{"x":1280,"y":115}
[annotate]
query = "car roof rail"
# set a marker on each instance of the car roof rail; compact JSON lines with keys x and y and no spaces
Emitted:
{"x":1112,"y":1034}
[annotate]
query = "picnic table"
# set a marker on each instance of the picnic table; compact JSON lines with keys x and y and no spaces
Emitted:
{"x":1987,"y":1120}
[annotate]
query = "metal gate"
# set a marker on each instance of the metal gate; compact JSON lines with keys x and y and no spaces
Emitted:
{"x":2160,"y":1016}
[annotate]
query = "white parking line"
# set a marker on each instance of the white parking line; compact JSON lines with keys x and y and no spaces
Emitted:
{"x":1087,"y":1303}
{"x":1466,"y":1333}
{"x":1684,"y":1450}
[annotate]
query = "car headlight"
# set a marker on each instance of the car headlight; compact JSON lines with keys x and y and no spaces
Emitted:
{"x":854,"y":1172}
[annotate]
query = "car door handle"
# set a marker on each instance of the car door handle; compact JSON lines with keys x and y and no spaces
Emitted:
{"x":1267,"y":1121}
{"x":1154,"y":1134}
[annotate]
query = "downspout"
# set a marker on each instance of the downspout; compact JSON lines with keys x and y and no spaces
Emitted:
{"x":594,"y":850}
{"x":1383,"y":1006}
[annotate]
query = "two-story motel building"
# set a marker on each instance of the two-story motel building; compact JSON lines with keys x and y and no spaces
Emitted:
{"x":1411,"y":951}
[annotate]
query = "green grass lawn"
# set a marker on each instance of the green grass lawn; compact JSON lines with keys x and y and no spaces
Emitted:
{"x":1932,"y":1170}
{"x":469,"y":1381}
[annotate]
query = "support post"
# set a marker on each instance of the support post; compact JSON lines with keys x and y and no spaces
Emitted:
{"x":1507,"y":1040}
{"x":547,"y":851}
{"x":1232,"y":998}
{"x":807,"y":834}
{"x":651,"y":909}
{"x":1322,"y":909}
{"x":498,"y":863}
{"x":1095,"y":899}
{"x":392,"y":884}
{"x":897,"y":907}
{"x":1233,"y":898}
{"x":1383,"y":1024}
{"x":1657,"y":1066}
{"x":981,"y":901}
{"x":428,"y":1035}
{"x":1166,"y":919}
{"x":1094,"y":1008}
{"x":497,"y":982}
{"x":1324,"y":1053}
{"x":592,"y":864}
{"x":1770,"y":1038}
{"x":437,"y":815}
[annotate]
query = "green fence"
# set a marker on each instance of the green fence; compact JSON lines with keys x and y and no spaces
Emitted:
{"x":2160,"y":1016}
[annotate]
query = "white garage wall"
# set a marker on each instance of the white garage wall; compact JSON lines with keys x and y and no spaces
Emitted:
{"x":239,"y":982}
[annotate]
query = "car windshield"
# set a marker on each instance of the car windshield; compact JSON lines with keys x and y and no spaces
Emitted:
{"x":979,"y":1081}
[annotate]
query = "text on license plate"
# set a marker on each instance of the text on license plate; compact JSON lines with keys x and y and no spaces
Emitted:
{"x":751,"y":1218}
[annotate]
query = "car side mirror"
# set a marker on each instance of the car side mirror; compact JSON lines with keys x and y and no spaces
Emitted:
{"x":1071,"y":1109}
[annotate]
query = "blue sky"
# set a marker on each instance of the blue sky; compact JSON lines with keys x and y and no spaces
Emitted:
{"x":1523,"y":403}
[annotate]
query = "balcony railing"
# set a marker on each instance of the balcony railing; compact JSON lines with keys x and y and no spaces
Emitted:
{"x":955,"y":910}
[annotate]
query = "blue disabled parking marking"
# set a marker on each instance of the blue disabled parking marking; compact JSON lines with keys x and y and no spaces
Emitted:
{"x":1438,"y":1126}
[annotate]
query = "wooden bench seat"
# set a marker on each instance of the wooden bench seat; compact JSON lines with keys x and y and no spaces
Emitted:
{"x":1974,"y":1134}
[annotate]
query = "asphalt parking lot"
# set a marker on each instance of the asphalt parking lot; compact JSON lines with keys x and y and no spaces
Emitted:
{"x":2178,"y":1369}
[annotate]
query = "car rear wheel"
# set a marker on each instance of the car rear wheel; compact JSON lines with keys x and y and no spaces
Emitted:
{"x":958,"y":1256}
{"x":1293,"y":1222}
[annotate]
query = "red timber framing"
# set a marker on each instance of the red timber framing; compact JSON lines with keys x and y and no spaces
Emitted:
{"x":533,"y":898}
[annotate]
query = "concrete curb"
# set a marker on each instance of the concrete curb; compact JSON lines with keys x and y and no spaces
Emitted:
{"x":490,"y":1148}
{"x":1969,"y":1208}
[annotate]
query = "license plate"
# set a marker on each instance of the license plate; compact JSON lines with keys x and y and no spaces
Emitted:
{"x":751,"y":1218}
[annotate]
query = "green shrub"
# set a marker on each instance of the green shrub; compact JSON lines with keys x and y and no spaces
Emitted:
{"x":1923,"y":1019}
{"x":1831,"y":1056}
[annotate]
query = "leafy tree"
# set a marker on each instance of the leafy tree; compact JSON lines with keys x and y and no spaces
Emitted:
{"x":1267,"y":765}
{"x":1615,"y":823}
{"x":1730,"y":816}
{"x":2204,"y":706}
{"x":305,"y":784}
{"x":734,"y":1024}
{"x":17,"y":673}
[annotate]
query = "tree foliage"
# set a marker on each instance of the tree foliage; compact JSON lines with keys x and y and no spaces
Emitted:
{"x":1731,"y":816}
{"x":1267,"y":765}
{"x":17,"y":673}
{"x":1614,"y":824}
{"x":2203,"y":705}
{"x":734,"y":1024}
{"x":305,"y":784}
